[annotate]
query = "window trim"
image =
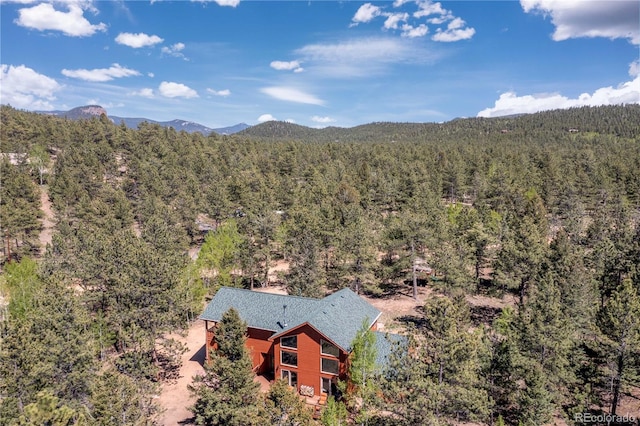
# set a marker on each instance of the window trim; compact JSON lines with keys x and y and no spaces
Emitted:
{"x":322,"y":379}
{"x":328,"y":354}
{"x":336,"y":360}
{"x":282,"y":351}
{"x":288,"y":378}
{"x":295,"y":336}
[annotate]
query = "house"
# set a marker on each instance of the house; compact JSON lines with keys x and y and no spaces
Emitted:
{"x":302,"y":340}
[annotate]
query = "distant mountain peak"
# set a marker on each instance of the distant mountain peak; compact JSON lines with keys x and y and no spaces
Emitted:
{"x":96,"y":110}
{"x":91,"y":111}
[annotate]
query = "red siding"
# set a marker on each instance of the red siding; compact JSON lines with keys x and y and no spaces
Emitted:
{"x":308,"y":368}
{"x":265,"y":354}
{"x":210,"y":342}
{"x":261,"y":350}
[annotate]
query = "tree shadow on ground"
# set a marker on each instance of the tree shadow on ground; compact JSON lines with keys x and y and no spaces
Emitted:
{"x":417,"y":320}
{"x":484,"y":314}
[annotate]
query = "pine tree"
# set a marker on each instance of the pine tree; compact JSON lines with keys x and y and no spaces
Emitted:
{"x":334,"y":414}
{"x":227,"y":394}
{"x":285,"y":408}
{"x":619,"y":322}
{"x":118,"y":399}
{"x":453,"y":352}
{"x":231,"y":335}
{"x":305,"y":276}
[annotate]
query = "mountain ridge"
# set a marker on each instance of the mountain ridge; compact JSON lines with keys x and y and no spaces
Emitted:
{"x":91,"y":111}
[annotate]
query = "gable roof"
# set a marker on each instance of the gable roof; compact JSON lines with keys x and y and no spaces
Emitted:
{"x":386,"y":344}
{"x":338,"y":316}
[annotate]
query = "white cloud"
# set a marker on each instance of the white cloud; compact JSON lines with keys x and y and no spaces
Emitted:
{"x":365,"y":13}
{"x":323,"y":120}
{"x":138,"y":40}
{"x":72,"y":23}
{"x":176,"y":90}
{"x":361,"y":57}
{"x":291,"y":94}
{"x":286,"y":66}
{"x":439,"y":20}
{"x":583,"y":18}
{"x":101,"y":74}
{"x":436,"y":14}
{"x":150,"y":74}
{"x":174,"y":50}
{"x":412,"y":32}
{"x":230,"y":3}
{"x":510,"y":103}
{"x":266,"y":117}
{"x":224,"y":93}
{"x":428,"y":8}
{"x":393,"y":20}
{"x":145,"y":93}
{"x":634,"y":68}
{"x":455,"y":31}
{"x":22,"y":87}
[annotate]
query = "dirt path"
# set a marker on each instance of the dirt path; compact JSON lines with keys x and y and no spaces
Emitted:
{"x":47,"y":219}
{"x":174,"y":397}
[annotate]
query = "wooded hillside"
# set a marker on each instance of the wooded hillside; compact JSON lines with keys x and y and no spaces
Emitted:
{"x":544,"y":206}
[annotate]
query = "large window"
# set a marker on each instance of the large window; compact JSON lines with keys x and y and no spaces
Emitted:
{"x":330,"y":366}
{"x":291,"y":377}
{"x":289,"y":358}
{"x":329,"y":349}
{"x":328,"y":386}
{"x":289,"y":342}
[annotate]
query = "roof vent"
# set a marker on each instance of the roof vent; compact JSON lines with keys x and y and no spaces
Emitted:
{"x":284,"y":314}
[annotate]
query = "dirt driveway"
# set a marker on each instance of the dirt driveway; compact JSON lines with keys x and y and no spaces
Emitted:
{"x":174,"y":397}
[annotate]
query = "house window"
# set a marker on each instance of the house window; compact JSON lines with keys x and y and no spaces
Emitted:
{"x":328,"y":349}
{"x":328,"y":386}
{"x":289,"y":358}
{"x":289,"y":342}
{"x":291,"y":377}
{"x":329,"y":366}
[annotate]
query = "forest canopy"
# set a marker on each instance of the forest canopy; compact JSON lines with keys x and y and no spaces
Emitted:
{"x":544,"y":207}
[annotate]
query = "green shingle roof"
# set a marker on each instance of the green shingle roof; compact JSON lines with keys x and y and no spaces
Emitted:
{"x":386,"y":344}
{"x":338,"y":316}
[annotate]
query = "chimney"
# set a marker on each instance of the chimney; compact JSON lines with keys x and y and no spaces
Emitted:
{"x":284,"y":311}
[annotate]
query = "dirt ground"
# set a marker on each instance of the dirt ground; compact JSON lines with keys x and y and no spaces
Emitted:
{"x":47,"y":219}
{"x":174,"y":396}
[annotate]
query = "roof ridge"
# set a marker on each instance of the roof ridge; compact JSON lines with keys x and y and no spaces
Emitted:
{"x":288,"y":296}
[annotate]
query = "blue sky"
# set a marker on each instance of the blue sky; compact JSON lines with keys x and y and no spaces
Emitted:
{"x":318,"y":63}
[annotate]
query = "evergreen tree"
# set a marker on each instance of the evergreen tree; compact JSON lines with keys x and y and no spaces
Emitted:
{"x":231,"y":335}
{"x":47,"y":410}
{"x":334,"y":414}
{"x":409,"y":392}
{"x":285,"y":408}
{"x":227,"y":394}
{"x":118,"y":399}
{"x":619,"y":322}
{"x":47,"y":346}
{"x":305,"y":276}
{"x":453,"y":354}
